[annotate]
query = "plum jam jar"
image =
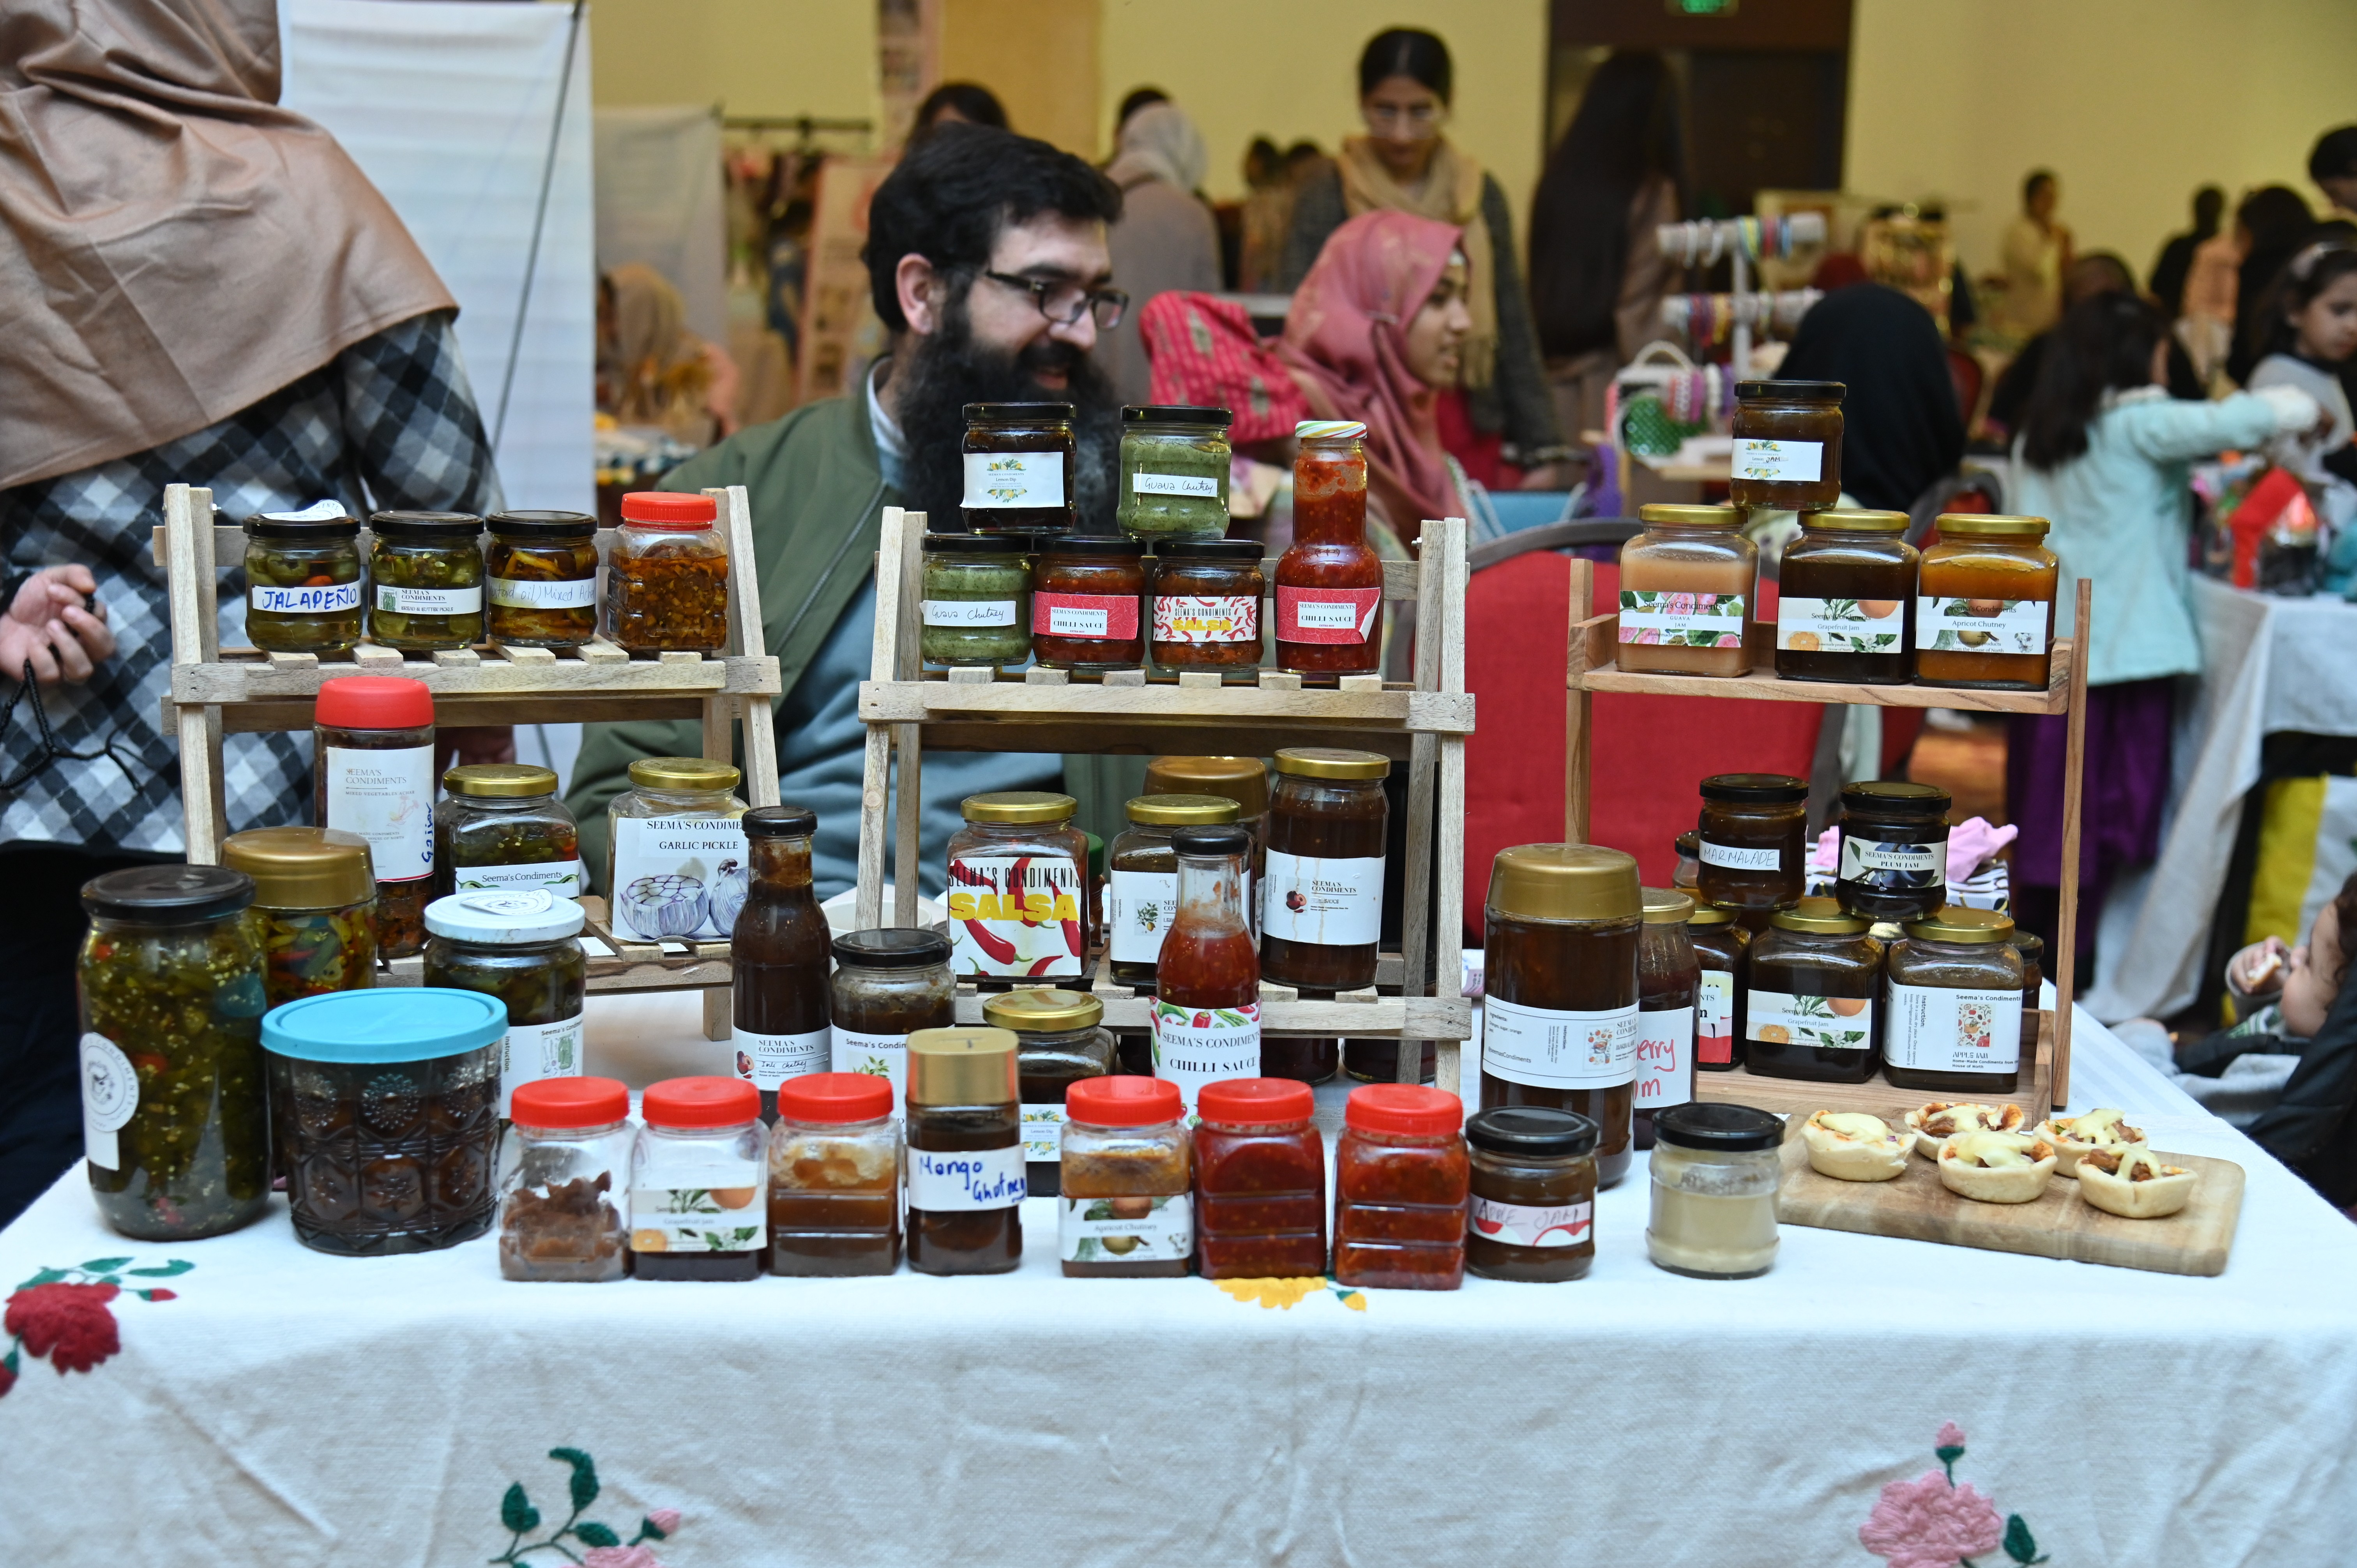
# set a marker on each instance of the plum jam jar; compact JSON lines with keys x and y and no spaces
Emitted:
{"x":1845,"y":600}
{"x":1788,"y":445}
{"x":1893,"y":862}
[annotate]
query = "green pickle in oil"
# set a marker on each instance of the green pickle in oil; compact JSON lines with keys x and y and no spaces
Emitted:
{"x":307,"y":952}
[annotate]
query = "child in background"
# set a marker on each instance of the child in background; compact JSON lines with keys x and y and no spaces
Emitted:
{"x":2310,"y":326}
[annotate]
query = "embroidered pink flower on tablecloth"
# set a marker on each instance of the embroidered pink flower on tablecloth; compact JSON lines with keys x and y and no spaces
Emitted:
{"x":622,"y":1556}
{"x":70,"y":1323}
{"x":665,"y":1520}
{"x":1951,"y":1436}
{"x":1930,"y":1523}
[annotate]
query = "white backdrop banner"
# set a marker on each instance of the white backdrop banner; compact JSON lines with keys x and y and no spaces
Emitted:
{"x":660,"y":202}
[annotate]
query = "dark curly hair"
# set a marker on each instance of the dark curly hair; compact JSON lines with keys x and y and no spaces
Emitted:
{"x":2101,"y":345}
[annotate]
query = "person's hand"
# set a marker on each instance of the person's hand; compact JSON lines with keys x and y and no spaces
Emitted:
{"x":55,"y":625}
{"x":2258,"y":969}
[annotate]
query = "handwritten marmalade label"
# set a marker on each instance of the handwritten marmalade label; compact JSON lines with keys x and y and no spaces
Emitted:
{"x":1207,"y":617}
{"x":1327,"y":615}
{"x":524,"y":594}
{"x":1549,"y":1047}
{"x":1015,"y":914}
{"x":968,"y":1180}
{"x":1104,"y":617}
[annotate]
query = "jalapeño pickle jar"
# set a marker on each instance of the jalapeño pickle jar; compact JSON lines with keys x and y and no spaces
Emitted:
{"x":1060,"y":1039}
{"x":1322,"y":912}
{"x":1893,"y":864}
{"x":1086,"y":599}
{"x":1207,"y":595}
{"x":425,"y":580}
{"x":315,"y":902}
{"x":1952,"y":1004}
{"x":1809,"y":1013}
{"x":501,"y":828}
{"x":1755,"y":832}
{"x":1174,"y":472}
{"x":1788,"y":445}
{"x":1532,"y":1212}
{"x":302,"y":580}
{"x":543,"y":568}
{"x":976,"y":600}
{"x":1686,"y":587}
{"x":1985,"y":604}
{"x":1846,"y":599}
{"x":667,"y":576}
{"x":1018,"y":467}
{"x":1722,"y":950}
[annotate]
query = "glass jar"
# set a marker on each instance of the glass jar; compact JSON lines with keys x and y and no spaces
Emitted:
{"x":1951,"y":1016}
{"x":176,"y":1119}
{"x":1755,"y":840}
{"x":976,"y":600}
{"x":1260,"y":1181}
{"x":1059,"y":1040}
{"x":1018,"y":468}
{"x":1559,"y":1013}
{"x":887,"y":984}
{"x":1128,"y":1209}
{"x":1245,"y":780}
{"x":1142,"y":879}
{"x":1715,"y":1170}
{"x":1018,"y":896}
{"x":1207,"y":595}
{"x":777,"y":958}
{"x":834,"y":1176}
{"x":1893,"y":864}
{"x":501,"y":828}
{"x":1402,"y":1185}
{"x":1721,"y":948}
{"x":1174,"y":472}
{"x":1086,"y":596}
{"x":1322,"y":907}
{"x":425,"y":580}
{"x":1329,"y":583}
{"x":525,"y":948}
{"x":1687,"y":876}
{"x":696,"y":1179}
{"x":667,"y":576}
{"x":1809,"y":1007}
{"x":676,"y":851}
{"x":386,"y":1111}
{"x":1668,"y":979}
{"x":1846,"y":599}
{"x":965,"y":1152}
{"x":1533,"y":1214}
{"x":314,"y":909}
{"x":564,"y":1170}
{"x":1206,"y":1014}
{"x":1788,"y":445}
{"x":542,"y":567}
{"x":1686,"y":592}
{"x":302,"y":580}
{"x":373,"y":774}
{"x":1985,"y":604}
{"x":2032,"y":949}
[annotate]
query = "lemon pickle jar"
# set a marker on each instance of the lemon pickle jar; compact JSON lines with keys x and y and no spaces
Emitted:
{"x":1755,"y":833}
{"x":1207,"y":598}
{"x":425,"y":580}
{"x":1808,"y":1011}
{"x":302,"y":580}
{"x":1893,"y":861}
{"x":976,"y":600}
{"x":1985,"y":604}
{"x":1174,"y":472}
{"x":1788,"y":445}
{"x":1088,"y":596}
{"x":1018,"y":467}
{"x":667,"y":576}
{"x":1951,"y":1016}
{"x":543,"y":570}
{"x":315,"y":904}
{"x":1846,"y":599}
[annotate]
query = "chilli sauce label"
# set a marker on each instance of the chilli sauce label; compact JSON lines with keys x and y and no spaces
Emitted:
{"x":1207,"y":617}
{"x":1327,"y":615}
{"x":1102,"y":617}
{"x":1196,"y":1046}
{"x":1015,"y":914}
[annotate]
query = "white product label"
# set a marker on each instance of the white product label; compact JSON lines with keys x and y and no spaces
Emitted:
{"x":698,"y":1218}
{"x":1126,"y":1229}
{"x":1839,"y":626}
{"x":1206,"y":617}
{"x":1076,"y":620}
{"x":1320,"y":615}
{"x":1682,"y":620}
{"x":1935,"y":1029}
{"x":1196,"y":1046}
{"x":1014,"y":478}
{"x":1333,"y":902}
{"x":1982,"y":625}
{"x":1523,"y":1225}
{"x":110,"y":1093}
{"x":518,"y":594}
{"x":1551,"y":1049}
{"x":878,"y":1055}
{"x":1736,"y":857}
{"x":318,"y":511}
{"x":1715,"y":1017}
{"x":1139,"y":906}
{"x":1015,"y":914}
{"x":533,"y":1051}
{"x":1822,"y":1022}
{"x":1894,"y":867}
{"x":681,"y":878}
{"x":1665,"y":1058}
{"x":429,"y":601}
{"x":767,"y":1061}
{"x":972,"y":612}
{"x":1144,"y":484}
{"x":387,"y":798}
{"x":1779,"y":460}
{"x":326,"y":598}
{"x":562,"y":878}
{"x":1043,"y":1133}
{"x":968,"y":1180}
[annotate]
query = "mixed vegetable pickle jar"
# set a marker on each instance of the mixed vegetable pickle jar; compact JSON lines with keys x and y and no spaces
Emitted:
{"x":425,"y":580}
{"x":667,"y":576}
{"x":314,"y":907}
{"x":834,"y":1176}
{"x":302,"y":580}
{"x":564,"y":1175}
{"x":976,"y":600}
{"x":501,"y":828}
{"x":523,"y":948}
{"x":542,"y":571}
{"x":1174,"y":472}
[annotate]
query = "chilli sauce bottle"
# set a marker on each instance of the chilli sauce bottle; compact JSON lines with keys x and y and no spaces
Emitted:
{"x":1329,"y":585}
{"x":1206,"y":980}
{"x":780,"y":952}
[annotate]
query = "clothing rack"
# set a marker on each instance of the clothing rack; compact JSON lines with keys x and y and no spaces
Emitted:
{"x":1702,"y":240}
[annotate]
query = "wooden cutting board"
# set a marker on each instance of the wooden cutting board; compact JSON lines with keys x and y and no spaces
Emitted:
{"x":2060,"y":1224}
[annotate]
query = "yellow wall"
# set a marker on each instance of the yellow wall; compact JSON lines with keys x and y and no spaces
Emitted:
{"x":755,"y":56}
{"x":1039,"y":56}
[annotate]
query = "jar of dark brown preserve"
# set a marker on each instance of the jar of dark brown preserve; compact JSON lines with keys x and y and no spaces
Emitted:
{"x":1810,"y":1013}
{"x":1755,"y":833}
{"x":1532,"y":1216}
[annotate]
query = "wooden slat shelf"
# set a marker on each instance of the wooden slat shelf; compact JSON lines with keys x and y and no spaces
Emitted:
{"x":673,"y":964}
{"x":242,"y":675}
{"x":1377,"y":1011}
{"x":1787,"y":1096}
{"x":1009,"y":701}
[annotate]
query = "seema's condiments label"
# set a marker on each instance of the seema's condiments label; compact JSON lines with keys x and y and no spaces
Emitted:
{"x":1778,"y":462}
{"x":1196,"y":1046}
{"x":1332,"y":902}
{"x":1933,"y":1028}
{"x":1014,"y":478}
{"x":386,"y":797}
{"x":533,"y":1051}
{"x":1981,"y":625}
{"x":698,"y":1218}
{"x":1818,"y":1023}
{"x":1682,"y":620}
{"x":878,"y":1055}
{"x":1015,"y":914}
{"x":1839,"y":626}
{"x":1206,"y":617}
{"x":1327,"y":615}
{"x":1549,"y":1047}
{"x":765,"y":1062}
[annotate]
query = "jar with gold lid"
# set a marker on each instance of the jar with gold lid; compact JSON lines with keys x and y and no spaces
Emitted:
{"x":1985,"y":604}
{"x":1951,"y":1016}
{"x":1060,"y":1039}
{"x":1018,"y":897}
{"x":675,"y":850}
{"x":1788,"y":445}
{"x":1815,"y":975}
{"x":1142,"y":878}
{"x":1722,"y":951}
{"x":1846,"y":599}
{"x":1245,"y":780}
{"x":314,"y":901}
{"x":965,"y":1152}
{"x":1668,"y":979}
{"x":501,"y":828}
{"x":1686,"y":585}
{"x":1328,"y":822}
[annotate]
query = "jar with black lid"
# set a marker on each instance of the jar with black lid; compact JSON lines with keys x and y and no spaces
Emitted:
{"x":542,"y":569}
{"x":425,"y":580}
{"x":1722,"y":950}
{"x":1018,"y":467}
{"x":1846,"y":599}
{"x":302,"y":580}
{"x":1174,"y":472}
{"x":1060,"y":1039}
{"x":887,"y":984}
{"x":1893,"y":862}
{"x":1951,"y":1016}
{"x":1321,"y":917}
{"x":1809,"y":1008}
{"x":1207,"y":599}
{"x":1788,"y":445}
{"x":1755,"y":840}
{"x":1533,"y":1214}
{"x":976,"y":600}
{"x":1087,"y":596}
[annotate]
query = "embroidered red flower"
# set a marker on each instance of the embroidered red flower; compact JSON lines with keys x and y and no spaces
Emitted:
{"x":70,"y":1323}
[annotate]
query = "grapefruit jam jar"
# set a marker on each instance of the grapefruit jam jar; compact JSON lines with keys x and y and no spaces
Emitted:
{"x":1329,"y":583}
{"x":1846,"y":599}
{"x":1815,"y":974}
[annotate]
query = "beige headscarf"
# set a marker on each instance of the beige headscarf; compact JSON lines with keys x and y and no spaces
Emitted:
{"x":174,"y":246}
{"x":1451,"y":194}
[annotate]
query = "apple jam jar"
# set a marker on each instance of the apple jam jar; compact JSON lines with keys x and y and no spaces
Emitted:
{"x":1953,"y":1006}
{"x":1788,"y":445}
{"x":1985,"y":604}
{"x":1809,"y":1010}
{"x":1686,"y":592}
{"x":1755,"y":840}
{"x":1846,"y":599}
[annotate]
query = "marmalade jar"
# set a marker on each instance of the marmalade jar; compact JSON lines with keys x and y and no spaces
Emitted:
{"x":544,"y":578}
{"x":1788,"y":445}
{"x":314,"y":905}
{"x":1329,"y":583}
{"x":1985,"y":605}
{"x":1686,"y":592}
{"x":1402,"y":1185}
{"x":1893,"y":862}
{"x":834,"y":1176}
{"x":302,"y":580}
{"x":1018,"y":468}
{"x":965,"y":1152}
{"x":1953,"y":1004}
{"x":1059,"y":1040}
{"x":425,"y":580}
{"x":1174,"y":472}
{"x":1846,"y":599}
{"x":1260,"y":1181}
{"x":564,"y":1173}
{"x":1086,"y":596}
{"x":1533,"y":1214}
{"x":1755,"y":840}
{"x":1018,"y":889}
{"x":667,"y":576}
{"x":1206,"y":598}
{"x":1127,"y":1207}
{"x":1809,"y":1013}
{"x":1322,"y":906}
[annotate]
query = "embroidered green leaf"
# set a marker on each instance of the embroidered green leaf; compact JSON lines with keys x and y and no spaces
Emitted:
{"x":1949,"y":1455}
{"x":172,"y":1268}
{"x":516,"y":1512}
{"x":648,"y":1530}
{"x":9,"y":1361}
{"x":103,"y":1265}
{"x":2019,"y":1544}
{"x":46,"y":1277}
{"x":585,"y":1478}
{"x":592,"y":1533}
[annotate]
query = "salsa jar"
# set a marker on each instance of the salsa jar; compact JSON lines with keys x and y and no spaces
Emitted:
{"x":834,"y":1176}
{"x":975,"y":601}
{"x":174,"y":1107}
{"x":676,"y":851}
{"x":314,"y":907}
{"x":1018,"y":898}
{"x":373,"y":774}
{"x":1952,"y":1003}
{"x":1086,"y":596}
{"x":1788,"y":445}
{"x":1846,"y":599}
{"x":1207,"y":596}
{"x":1559,"y":1024}
{"x":1401,"y":1185}
{"x":1893,"y":862}
{"x":1329,"y":583}
{"x":1532,"y":1217}
{"x":525,"y":948}
{"x":501,"y":828}
{"x":1722,"y":950}
{"x":1260,"y":1181}
{"x":697,"y":1177}
{"x":565,"y":1176}
{"x":1809,"y":1009}
{"x":1174,"y":472}
{"x":1985,"y":604}
{"x":1127,"y":1209}
{"x":887,"y":984}
{"x":1142,"y":878}
{"x":302,"y":580}
{"x":1755,"y":840}
{"x":1018,"y":468}
{"x":1059,"y":1040}
{"x":1715,"y":1171}
{"x":1669,"y":983}
{"x":965,"y":1152}
{"x":1322,"y":906}
{"x":1686,"y":587}
{"x":667,"y":576}
{"x":425,"y":580}
{"x":542,"y":567}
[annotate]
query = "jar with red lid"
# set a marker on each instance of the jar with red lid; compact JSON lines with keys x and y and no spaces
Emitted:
{"x":1401,"y":1181}
{"x":1127,"y":1207}
{"x":372,"y":744}
{"x":1329,"y":585}
{"x":1207,"y":595}
{"x":697,"y":1178}
{"x":667,"y":576}
{"x":834,"y":1176}
{"x":564,"y":1175}
{"x":1260,"y":1181}
{"x":1087,"y":597}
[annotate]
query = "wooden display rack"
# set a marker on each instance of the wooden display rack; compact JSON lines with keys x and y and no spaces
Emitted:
{"x":218,"y":691}
{"x":910,"y":709}
{"x":1592,"y":666}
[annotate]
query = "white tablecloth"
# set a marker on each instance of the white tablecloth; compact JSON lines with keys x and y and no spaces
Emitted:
{"x":2268,"y":664}
{"x":291,"y":1409}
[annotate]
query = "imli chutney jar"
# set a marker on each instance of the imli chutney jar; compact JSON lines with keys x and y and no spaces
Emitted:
{"x":1686,"y":592}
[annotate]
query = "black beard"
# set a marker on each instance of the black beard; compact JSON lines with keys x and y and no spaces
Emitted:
{"x":938,"y":375}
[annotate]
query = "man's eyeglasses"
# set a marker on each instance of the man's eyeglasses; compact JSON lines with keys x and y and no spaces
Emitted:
{"x":1065,"y":303}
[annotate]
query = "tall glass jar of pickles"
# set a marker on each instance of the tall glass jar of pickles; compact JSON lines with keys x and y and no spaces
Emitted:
{"x":425,"y":580}
{"x":314,"y":906}
{"x":302,"y":580}
{"x":542,"y":569}
{"x":501,"y":828}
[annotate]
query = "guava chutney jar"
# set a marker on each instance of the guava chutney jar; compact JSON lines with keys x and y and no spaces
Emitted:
{"x":425,"y":580}
{"x":314,"y":909}
{"x":1846,"y":599}
{"x":1809,"y":1005}
{"x":1985,"y":604}
{"x":975,"y":601}
{"x":1174,"y":472}
{"x":501,"y":828}
{"x":303,"y":581}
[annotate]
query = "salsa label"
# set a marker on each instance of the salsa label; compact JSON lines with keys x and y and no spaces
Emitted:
{"x":1982,"y":625}
{"x":1665,"y":1061}
{"x":767,"y":1061}
{"x":942,"y":1181}
{"x":1548,"y":1048}
{"x":1126,"y":1229}
{"x":1015,"y":914}
{"x":1014,"y":478}
{"x":1682,"y":620}
{"x":878,"y":1055}
{"x":1522,"y":1225}
{"x":306,"y":600}
{"x":1327,"y":615}
{"x":1196,"y":1046}
{"x":1332,"y":903}
{"x":1207,"y":617}
{"x":1110,"y":618}
{"x":1715,"y":1017}
{"x":1789,"y":461}
{"x":387,"y":798}
{"x":1935,"y":1029}
{"x":1839,"y":626}
{"x":1821,"y":1023}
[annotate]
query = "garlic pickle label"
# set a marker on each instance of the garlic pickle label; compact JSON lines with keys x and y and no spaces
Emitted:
{"x":1981,"y":625}
{"x":1937,"y":1029}
{"x":1549,"y":1047}
{"x":1839,"y":626}
{"x":1821,"y":1023}
{"x":681,"y":877}
{"x":325,"y":598}
{"x":1335,"y":903}
{"x":1014,"y":480}
{"x":1779,"y":461}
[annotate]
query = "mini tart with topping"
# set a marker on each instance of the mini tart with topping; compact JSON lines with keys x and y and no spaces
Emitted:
{"x":1995,"y":1167}
{"x":2075,"y":1136}
{"x":2131,"y":1182}
{"x":1937,"y":1121}
{"x":1850,"y":1146}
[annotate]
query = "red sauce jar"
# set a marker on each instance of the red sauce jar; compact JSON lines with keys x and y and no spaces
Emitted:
{"x":1322,"y":904}
{"x":1086,"y":600}
{"x":1329,"y":585}
{"x":1207,"y":595}
{"x":1260,"y":1181}
{"x":1402,"y":1180}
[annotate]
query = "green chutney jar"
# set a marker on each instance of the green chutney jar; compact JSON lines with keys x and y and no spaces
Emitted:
{"x":976,"y":600}
{"x":1174,"y":472}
